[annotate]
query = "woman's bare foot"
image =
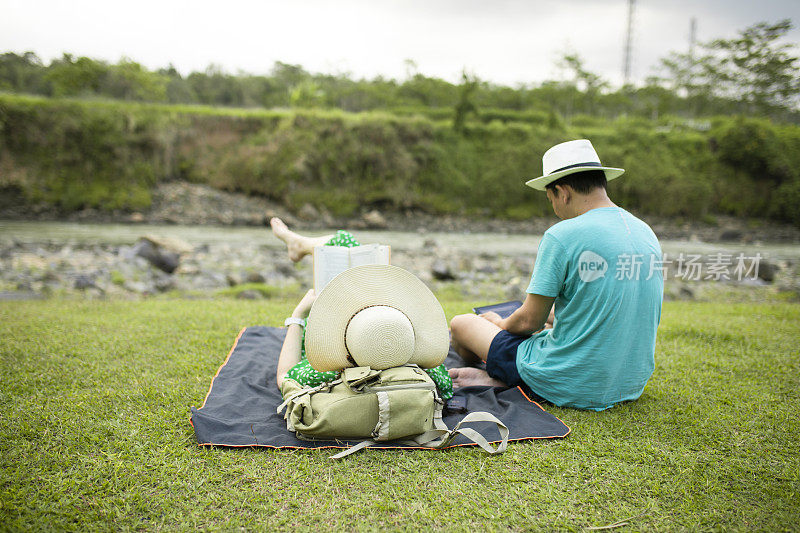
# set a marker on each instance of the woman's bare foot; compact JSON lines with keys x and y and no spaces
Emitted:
{"x":469,"y":376}
{"x":297,"y":245}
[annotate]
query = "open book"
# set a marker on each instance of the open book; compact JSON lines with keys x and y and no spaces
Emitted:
{"x":504,"y":309}
{"x":329,"y":261}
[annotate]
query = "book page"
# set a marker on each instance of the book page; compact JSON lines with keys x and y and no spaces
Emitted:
{"x":329,"y":261}
{"x":369,"y":254}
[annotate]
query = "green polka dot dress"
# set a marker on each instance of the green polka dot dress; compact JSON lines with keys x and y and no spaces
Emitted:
{"x":304,"y":373}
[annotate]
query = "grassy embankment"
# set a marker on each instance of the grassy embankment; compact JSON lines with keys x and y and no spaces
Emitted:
{"x":95,"y":435}
{"x":75,"y":153}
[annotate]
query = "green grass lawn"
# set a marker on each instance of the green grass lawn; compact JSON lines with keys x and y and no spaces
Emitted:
{"x":95,"y":434}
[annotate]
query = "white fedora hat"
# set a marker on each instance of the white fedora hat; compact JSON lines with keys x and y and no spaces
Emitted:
{"x":567,"y":158}
{"x":378,"y":316}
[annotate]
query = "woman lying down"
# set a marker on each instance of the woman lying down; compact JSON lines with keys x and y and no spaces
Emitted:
{"x":379,"y":316}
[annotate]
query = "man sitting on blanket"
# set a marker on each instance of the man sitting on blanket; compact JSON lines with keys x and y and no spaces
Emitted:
{"x":601,"y":267}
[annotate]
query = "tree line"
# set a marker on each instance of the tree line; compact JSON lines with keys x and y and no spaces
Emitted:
{"x":754,"y":73}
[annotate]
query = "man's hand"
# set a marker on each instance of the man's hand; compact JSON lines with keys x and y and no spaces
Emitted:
{"x":531,"y":317}
{"x":493,"y":317}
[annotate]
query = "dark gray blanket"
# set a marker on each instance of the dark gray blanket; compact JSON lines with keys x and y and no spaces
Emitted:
{"x":239,"y":409}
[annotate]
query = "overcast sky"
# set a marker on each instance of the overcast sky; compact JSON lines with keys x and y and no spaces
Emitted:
{"x":502,"y":41}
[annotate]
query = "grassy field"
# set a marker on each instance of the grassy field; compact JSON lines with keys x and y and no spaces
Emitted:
{"x":95,"y":435}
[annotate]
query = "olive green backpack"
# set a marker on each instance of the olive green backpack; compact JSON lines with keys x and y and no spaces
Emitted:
{"x":399,"y":403}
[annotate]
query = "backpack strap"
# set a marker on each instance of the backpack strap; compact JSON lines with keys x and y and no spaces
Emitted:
{"x":439,"y":438}
{"x":354,"y":448}
{"x":308,"y":390}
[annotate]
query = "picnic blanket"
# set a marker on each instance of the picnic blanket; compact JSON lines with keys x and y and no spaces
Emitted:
{"x":240,"y":407}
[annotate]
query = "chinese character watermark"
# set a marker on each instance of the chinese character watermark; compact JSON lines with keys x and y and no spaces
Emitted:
{"x":689,"y":267}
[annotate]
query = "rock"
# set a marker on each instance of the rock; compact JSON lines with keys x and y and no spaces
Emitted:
{"x":255,"y":277}
{"x":268,"y":215}
{"x":430,"y":243}
{"x":767,"y":271}
{"x":208,"y":279}
{"x":487,"y":269}
{"x":232,"y":280}
{"x":731,"y":235}
{"x":514,"y":291}
{"x":686,"y":293}
{"x":28,"y":261}
{"x":4,"y":296}
{"x":164,"y":283}
{"x":750,"y":282}
{"x":138,"y":287}
{"x":441,"y":271}
{"x":83,"y":282}
{"x":172,"y":244}
{"x":249,"y":294}
{"x":286,"y":269}
{"x":136,"y":218}
{"x":49,"y":276}
{"x":189,"y":270}
{"x":326,"y":218}
{"x":464,"y":264}
{"x":163,"y":260}
{"x":308,"y":212}
{"x":375,"y":220}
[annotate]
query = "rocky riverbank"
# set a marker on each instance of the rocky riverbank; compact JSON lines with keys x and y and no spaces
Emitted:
{"x":184,"y":203}
{"x":157,"y":265}
{"x":255,"y":266}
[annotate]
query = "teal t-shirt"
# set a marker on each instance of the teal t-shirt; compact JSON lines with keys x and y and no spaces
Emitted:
{"x":604,"y":270}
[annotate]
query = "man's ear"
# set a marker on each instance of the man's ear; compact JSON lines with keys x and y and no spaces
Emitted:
{"x":564,"y":192}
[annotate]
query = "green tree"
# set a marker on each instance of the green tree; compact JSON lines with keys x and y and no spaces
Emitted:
{"x":307,"y":94}
{"x":76,"y":77}
{"x":578,"y":76}
{"x":757,"y":68}
{"x":22,"y":73}
{"x":128,"y":80}
{"x":214,"y":86}
{"x":178,"y":89}
{"x":582,"y":87}
{"x":465,"y":105}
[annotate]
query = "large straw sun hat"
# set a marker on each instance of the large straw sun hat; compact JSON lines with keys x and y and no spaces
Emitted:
{"x":568,"y":158}
{"x":378,"y":316}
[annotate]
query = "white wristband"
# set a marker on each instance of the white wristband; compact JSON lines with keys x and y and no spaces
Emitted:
{"x":294,"y":320}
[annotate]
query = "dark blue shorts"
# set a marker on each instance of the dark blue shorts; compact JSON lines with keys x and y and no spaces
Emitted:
{"x":501,"y":362}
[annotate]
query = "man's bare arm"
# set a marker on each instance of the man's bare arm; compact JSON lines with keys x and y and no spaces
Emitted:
{"x":529,"y":318}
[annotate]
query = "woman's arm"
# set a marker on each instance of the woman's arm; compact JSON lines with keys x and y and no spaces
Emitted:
{"x":290,"y":351}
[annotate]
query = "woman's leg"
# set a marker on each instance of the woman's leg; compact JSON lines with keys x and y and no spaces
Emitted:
{"x":297,"y":245}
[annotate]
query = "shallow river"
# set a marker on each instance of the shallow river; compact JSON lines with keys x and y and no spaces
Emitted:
{"x":493,"y":243}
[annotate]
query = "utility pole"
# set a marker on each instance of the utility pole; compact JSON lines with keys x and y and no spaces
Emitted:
{"x":692,"y":36}
{"x":626,"y":69}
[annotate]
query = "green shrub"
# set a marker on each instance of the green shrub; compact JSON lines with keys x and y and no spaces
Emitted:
{"x":109,"y":155}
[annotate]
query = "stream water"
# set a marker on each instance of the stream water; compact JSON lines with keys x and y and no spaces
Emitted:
{"x":489,"y":243}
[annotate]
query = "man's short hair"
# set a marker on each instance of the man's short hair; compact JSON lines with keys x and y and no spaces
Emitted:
{"x":581,"y":182}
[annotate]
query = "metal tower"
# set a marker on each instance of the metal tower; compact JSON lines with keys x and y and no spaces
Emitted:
{"x":626,"y":69}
